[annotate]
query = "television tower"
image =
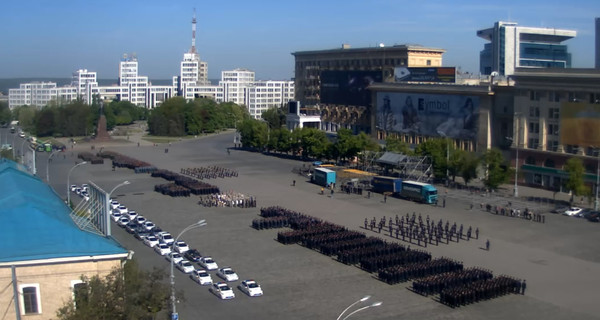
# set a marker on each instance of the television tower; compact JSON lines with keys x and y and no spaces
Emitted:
{"x":193,"y":49}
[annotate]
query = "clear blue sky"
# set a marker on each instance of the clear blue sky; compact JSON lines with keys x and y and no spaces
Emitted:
{"x":54,"y":38}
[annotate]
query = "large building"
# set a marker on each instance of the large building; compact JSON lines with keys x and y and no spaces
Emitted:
{"x":321,"y":72}
{"x":556,"y":117}
{"x":44,"y":253}
{"x":511,"y":46}
{"x":597,"y":35}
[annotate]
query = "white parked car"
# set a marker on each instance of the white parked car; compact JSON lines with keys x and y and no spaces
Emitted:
{"x":222,"y":290}
{"x":123,"y":221}
{"x":85,"y":195}
{"x":114,"y":204}
{"x":180,"y":246}
{"x":85,"y":187}
{"x":78,"y":190}
{"x":166,"y":237}
{"x":202,"y":277}
{"x":73,"y":187}
{"x":175,"y":256}
{"x":208,"y":263}
{"x":132,"y":214}
{"x":162,"y":249}
{"x":151,"y":241}
{"x":139,"y":219}
{"x":122,"y":209}
{"x":227,"y":274}
{"x":149,"y":225}
{"x":185,"y":266}
{"x":116,"y":215}
{"x":251,"y":288}
{"x":573,"y":211}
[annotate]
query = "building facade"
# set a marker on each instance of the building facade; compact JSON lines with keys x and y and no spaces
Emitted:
{"x":557,"y":117}
{"x":44,"y":253}
{"x":511,"y":46}
{"x":362,"y":66}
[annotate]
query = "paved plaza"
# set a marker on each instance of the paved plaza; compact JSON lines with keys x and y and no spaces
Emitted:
{"x":559,"y":259}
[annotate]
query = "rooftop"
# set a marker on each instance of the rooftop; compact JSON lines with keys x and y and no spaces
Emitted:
{"x":35,"y":222}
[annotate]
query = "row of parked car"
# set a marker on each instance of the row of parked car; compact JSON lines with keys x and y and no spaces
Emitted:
{"x":182,"y":255}
{"x":589,"y":214}
{"x":82,"y":191}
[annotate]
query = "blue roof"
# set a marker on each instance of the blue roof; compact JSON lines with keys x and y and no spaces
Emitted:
{"x":35,"y":222}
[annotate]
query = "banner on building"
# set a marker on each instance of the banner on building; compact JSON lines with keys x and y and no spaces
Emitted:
{"x":348,"y":87}
{"x":580,"y":124}
{"x":425,"y":74}
{"x":454,"y":116}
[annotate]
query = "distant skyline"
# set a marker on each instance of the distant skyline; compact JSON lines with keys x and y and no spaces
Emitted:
{"x":54,"y":38}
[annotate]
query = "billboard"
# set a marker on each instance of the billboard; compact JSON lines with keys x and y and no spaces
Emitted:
{"x":348,"y":87}
{"x":454,"y":116}
{"x":425,"y":74}
{"x":580,"y":124}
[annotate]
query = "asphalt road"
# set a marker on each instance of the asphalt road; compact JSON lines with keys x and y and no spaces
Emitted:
{"x":559,"y":259}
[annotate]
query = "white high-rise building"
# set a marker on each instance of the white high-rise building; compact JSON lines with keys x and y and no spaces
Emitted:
{"x":511,"y":46}
{"x":236,"y":85}
{"x":267,"y":94}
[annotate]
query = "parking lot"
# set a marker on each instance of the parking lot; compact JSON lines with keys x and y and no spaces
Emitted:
{"x":559,"y":259}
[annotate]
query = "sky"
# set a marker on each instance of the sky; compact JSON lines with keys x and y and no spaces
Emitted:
{"x":55,"y":38}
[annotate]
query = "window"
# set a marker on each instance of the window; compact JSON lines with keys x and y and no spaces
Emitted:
{"x":534,"y":127}
{"x":553,"y":113}
{"x":30,"y":299}
{"x":428,"y":62}
{"x":553,"y":129}
{"x":534,"y":143}
{"x":549,"y":163}
{"x":530,"y":160}
{"x":534,"y":112}
{"x":552,"y":145}
{"x":534,"y":95}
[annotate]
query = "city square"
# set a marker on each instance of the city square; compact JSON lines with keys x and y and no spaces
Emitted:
{"x":558,"y":258}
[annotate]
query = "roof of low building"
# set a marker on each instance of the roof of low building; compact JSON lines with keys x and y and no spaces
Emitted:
{"x":35,"y":223}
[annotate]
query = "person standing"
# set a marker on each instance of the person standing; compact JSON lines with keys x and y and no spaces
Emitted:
{"x":523,"y":287}
{"x":487,"y":245}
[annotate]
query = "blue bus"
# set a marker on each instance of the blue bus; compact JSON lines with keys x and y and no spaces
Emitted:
{"x":419,"y":191}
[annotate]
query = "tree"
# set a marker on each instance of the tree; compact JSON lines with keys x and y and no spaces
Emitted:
{"x":394,"y":144}
{"x":468,"y":170}
{"x":5,"y":114}
{"x":497,"y":169}
{"x":436,"y":150}
{"x":275,"y":117}
{"x":126,"y":293}
{"x":574,"y":168}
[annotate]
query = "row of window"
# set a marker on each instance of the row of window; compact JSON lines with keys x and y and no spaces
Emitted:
{"x":555,"y":96}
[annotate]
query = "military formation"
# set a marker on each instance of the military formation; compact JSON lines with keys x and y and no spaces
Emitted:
{"x":229,"y":199}
{"x":509,"y":211}
{"x":210,"y":172}
{"x":422,"y":232}
{"x":392,"y":262}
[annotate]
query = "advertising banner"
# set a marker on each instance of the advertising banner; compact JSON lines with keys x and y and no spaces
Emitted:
{"x":580,"y":124}
{"x":348,"y":87}
{"x":454,"y":116}
{"x":425,"y":74}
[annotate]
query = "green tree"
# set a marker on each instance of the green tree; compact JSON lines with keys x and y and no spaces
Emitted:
{"x":435,"y":149}
{"x":5,"y":114}
{"x":126,"y":293}
{"x":574,"y":168}
{"x":468,"y":170}
{"x":313,"y":142}
{"x":394,"y":144}
{"x":275,"y":117}
{"x":497,"y":169}
{"x":26,"y":116}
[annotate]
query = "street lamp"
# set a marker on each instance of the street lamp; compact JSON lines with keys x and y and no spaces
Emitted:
{"x":48,"y":165}
{"x":363,"y":299}
{"x":23,"y":151}
{"x":108,"y":195}
{"x":198,"y":224}
{"x":443,"y":134}
{"x":597,"y":179}
{"x":69,"y":182}
{"x":13,"y":144}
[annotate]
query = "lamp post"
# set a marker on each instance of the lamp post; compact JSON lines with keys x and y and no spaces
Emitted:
{"x":23,"y":151}
{"x":69,"y":181}
{"x":48,"y":165}
{"x":13,"y":144}
{"x":597,"y":179}
{"x":198,"y":224}
{"x":363,"y":299}
{"x":108,"y":195}
{"x":443,"y":134}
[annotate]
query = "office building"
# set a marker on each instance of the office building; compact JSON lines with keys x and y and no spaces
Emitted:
{"x":511,"y":46}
